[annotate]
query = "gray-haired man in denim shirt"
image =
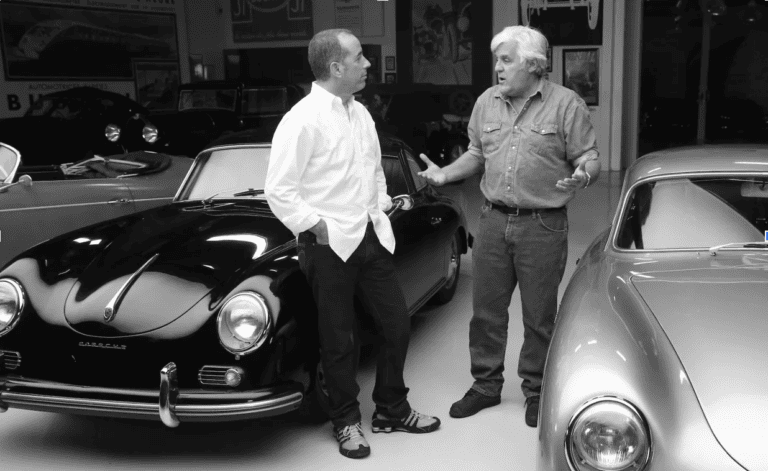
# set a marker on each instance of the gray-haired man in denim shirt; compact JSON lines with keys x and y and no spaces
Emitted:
{"x":535,"y":143}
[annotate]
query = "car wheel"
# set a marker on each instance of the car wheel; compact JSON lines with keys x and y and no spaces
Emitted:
{"x":452,"y":275}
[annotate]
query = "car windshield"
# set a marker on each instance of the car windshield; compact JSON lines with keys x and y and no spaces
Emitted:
{"x":216,"y":99}
{"x":686,"y":213}
{"x":222,"y":173}
{"x":261,"y":101}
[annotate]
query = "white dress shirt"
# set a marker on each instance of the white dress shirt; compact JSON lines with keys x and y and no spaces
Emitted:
{"x":325,"y":163}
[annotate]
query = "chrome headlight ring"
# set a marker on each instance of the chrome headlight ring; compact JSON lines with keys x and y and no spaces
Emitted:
{"x":112,"y":132}
{"x":12,"y":302}
{"x":150,"y":133}
{"x":244,"y":323}
{"x":606,"y":412}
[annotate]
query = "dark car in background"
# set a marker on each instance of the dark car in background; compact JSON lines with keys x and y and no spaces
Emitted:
{"x":71,"y":125}
{"x":209,"y":109}
{"x":197,"y":310}
{"x":431,"y":120}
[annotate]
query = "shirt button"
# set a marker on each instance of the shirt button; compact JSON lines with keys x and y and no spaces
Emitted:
{"x":510,"y":168}
{"x":513,"y":147}
{"x":516,"y":127}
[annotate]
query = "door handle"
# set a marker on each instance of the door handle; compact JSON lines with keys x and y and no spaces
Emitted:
{"x":436,"y":221}
{"x":118,"y":201}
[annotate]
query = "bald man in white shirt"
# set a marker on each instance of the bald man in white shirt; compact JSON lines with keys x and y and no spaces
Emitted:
{"x":326,"y":184}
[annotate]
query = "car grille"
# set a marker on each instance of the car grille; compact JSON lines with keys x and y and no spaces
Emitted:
{"x":11,"y":359}
{"x":210,"y":375}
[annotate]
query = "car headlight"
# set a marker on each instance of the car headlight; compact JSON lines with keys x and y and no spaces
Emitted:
{"x":149,"y":133}
{"x":112,"y":131}
{"x":244,"y":322}
{"x":11,"y":304}
{"x":608,"y":434}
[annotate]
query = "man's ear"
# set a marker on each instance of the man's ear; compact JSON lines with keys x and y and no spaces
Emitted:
{"x":335,"y":69}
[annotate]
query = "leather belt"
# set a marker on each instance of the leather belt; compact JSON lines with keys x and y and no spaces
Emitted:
{"x":522,"y":211}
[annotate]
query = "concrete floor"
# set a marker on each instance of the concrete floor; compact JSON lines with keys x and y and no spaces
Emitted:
{"x":437,"y":373}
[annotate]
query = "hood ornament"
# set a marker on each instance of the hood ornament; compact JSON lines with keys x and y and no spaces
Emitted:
{"x":111,"y":310}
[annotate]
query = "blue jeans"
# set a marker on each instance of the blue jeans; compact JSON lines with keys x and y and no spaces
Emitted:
{"x":530,"y":250}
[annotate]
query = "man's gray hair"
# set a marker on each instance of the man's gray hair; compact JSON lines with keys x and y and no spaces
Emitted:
{"x":325,"y":48}
{"x":531,"y":45}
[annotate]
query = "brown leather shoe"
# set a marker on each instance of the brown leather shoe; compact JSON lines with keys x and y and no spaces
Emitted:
{"x":472,"y":403}
{"x":532,"y":411}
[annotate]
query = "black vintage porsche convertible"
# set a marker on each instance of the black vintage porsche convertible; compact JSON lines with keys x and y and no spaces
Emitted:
{"x":197,"y":310}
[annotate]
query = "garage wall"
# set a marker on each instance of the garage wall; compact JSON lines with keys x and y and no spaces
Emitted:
{"x":210,"y":31}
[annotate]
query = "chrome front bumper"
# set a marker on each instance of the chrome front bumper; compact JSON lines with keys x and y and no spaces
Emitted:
{"x":171,"y":405}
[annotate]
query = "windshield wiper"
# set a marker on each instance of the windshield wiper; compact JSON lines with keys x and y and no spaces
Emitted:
{"x":250,"y":192}
{"x":745,"y":245}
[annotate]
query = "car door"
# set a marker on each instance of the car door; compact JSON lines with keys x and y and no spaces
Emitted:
{"x":32,"y":214}
{"x":417,"y":259}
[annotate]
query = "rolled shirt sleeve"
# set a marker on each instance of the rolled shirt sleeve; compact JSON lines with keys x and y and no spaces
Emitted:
{"x":579,"y":133}
{"x":292,"y":144}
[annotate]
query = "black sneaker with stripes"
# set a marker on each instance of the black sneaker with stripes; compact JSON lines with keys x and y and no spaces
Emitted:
{"x":412,"y":423}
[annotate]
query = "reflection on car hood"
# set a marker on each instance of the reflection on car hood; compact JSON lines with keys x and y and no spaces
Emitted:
{"x":717,"y":321}
{"x":163,"y":263}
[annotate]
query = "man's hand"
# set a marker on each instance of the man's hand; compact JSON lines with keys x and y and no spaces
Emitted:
{"x":434,"y":174}
{"x":578,"y":179}
{"x":321,"y":232}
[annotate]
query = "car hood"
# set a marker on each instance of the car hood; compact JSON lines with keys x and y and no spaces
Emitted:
{"x":717,"y":322}
{"x":163,"y":263}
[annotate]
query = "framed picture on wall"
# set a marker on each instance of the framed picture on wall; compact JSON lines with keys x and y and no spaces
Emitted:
{"x":390,"y":65}
{"x":390,"y":78}
{"x":581,"y":73}
{"x":549,"y":59}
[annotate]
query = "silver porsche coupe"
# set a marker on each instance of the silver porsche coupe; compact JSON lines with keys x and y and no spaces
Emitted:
{"x":659,"y":358}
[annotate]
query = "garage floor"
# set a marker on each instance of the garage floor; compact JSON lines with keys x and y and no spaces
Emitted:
{"x":437,"y":372}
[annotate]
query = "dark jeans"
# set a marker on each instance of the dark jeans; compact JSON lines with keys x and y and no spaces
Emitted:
{"x":530,"y":250}
{"x":369,"y":272}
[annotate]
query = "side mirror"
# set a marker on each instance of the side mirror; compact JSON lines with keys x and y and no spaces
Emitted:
{"x":24,"y":180}
{"x":10,"y":159}
{"x":404,"y":202}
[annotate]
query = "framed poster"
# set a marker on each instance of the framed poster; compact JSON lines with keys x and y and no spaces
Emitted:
{"x":157,"y":84}
{"x":390,"y":65}
{"x":271,"y":20}
{"x":581,"y":73}
{"x":43,"y":42}
{"x":549,"y":59}
{"x":390,"y":78}
{"x":445,"y":43}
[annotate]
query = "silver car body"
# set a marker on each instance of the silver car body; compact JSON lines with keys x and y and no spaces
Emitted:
{"x":680,"y":334}
{"x":32,"y":214}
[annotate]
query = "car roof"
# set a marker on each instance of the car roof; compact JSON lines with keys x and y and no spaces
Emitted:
{"x":390,"y":144}
{"x":700,"y":159}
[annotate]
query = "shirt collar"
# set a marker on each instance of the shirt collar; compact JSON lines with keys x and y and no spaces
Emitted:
{"x":327,"y":97}
{"x":543,"y":89}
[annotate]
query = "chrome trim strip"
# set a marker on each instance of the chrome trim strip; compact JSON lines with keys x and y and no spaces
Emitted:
{"x":145,"y":410}
{"x":169,"y":394}
{"x":110,"y":311}
{"x":54,"y":207}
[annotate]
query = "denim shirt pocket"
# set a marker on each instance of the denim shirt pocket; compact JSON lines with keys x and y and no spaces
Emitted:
{"x":544,"y":139}
{"x":491,"y":138}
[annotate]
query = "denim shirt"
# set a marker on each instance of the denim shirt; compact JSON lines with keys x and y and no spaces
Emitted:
{"x":526,"y":154}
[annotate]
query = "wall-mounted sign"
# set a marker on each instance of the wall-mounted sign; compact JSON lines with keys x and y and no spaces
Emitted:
{"x":271,"y":20}
{"x":565,"y":22}
{"x":349,"y":16}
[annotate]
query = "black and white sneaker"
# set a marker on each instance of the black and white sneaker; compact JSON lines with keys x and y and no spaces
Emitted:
{"x":413,"y":423}
{"x":352,"y":443}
